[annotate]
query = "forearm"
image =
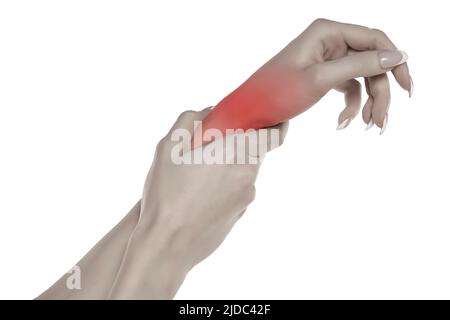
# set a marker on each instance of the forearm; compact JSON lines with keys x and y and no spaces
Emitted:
{"x":100,"y":265}
{"x":153,"y":267}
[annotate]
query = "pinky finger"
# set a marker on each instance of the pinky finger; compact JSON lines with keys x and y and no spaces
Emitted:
{"x":352,"y":94}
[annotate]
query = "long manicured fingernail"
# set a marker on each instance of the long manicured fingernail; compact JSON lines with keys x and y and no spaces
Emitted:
{"x":344,"y":124}
{"x":411,"y":87}
{"x":391,"y":58}
{"x":370,"y":124}
{"x":385,"y":122}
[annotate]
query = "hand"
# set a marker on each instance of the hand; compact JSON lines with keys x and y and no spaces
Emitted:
{"x":186,"y":211}
{"x":196,"y":205}
{"x":327,"y":55}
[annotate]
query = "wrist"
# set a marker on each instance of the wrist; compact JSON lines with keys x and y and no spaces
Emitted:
{"x":156,"y":246}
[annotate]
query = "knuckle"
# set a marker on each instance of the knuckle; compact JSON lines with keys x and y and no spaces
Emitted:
{"x":320,"y":22}
{"x":379,"y":38}
{"x":324,"y":26}
{"x":161,"y":147}
{"x":378,"y":32}
{"x":187,"y":114}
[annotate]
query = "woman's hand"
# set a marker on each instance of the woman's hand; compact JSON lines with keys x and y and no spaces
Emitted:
{"x":197,"y":204}
{"x":327,"y":55}
{"x":188,"y":209}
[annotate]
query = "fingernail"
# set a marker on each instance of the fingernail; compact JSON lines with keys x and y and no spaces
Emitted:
{"x":392,"y":58}
{"x":411,"y":87}
{"x":385,"y":122}
{"x":369,"y":125}
{"x":344,"y":124}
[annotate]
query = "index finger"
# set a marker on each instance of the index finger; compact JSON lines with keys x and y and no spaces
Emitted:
{"x":361,"y":38}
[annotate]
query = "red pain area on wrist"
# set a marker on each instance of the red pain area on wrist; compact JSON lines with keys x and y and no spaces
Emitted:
{"x":264,"y":100}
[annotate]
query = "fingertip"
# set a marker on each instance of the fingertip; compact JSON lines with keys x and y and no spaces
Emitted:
{"x":369,"y":125}
{"x":367,"y":110}
{"x":378,"y":118}
{"x":403,"y":78}
{"x":284,"y":127}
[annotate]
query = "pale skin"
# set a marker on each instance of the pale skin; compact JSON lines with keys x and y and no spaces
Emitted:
{"x":186,"y":211}
{"x":165,"y":240}
{"x":100,"y":265}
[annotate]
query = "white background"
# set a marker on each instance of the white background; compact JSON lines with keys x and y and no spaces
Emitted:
{"x":87,"y":88}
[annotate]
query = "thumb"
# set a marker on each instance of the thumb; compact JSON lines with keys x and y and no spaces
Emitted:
{"x":362,"y":64}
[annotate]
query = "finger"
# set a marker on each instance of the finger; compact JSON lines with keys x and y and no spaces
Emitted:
{"x":366,"y":86}
{"x":352,"y":94}
{"x":186,"y":119}
{"x":367,"y":109}
{"x":381,"y":94}
{"x":363,"y":38}
{"x":270,"y":139}
{"x":360,"y":38}
{"x":367,"y":113}
{"x":403,"y":78}
{"x":401,"y":74}
{"x":330,"y":74}
{"x":250,"y":146}
{"x":278,"y":134}
{"x":183,"y":128}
